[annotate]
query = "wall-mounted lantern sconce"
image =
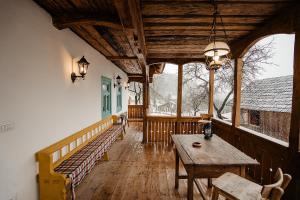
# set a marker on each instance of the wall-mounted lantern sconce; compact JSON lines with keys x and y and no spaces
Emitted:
{"x":117,"y":81}
{"x":83,"y":65}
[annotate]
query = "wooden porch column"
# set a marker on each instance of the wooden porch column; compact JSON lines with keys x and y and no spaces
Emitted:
{"x":179,"y":90}
{"x":295,"y":116}
{"x":179,"y":98}
{"x":236,"y":109}
{"x":294,"y":138}
{"x":145,"y":107}
{"x":211,"y":92}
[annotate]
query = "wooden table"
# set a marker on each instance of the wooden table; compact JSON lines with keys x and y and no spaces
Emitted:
{"x":211,"y":160}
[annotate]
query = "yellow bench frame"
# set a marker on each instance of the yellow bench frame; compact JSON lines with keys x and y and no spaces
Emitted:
{"x":52,"y":185}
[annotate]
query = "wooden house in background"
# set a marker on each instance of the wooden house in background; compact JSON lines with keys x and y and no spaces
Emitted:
{"x":266,"y":106}
{"x":168,"y":107}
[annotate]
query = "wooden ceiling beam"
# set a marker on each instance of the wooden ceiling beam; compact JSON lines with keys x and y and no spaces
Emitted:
{"x":85,"y":35}
{"x":203,"y":19}
{"x":185,"y":38}
{"x":63,"y":22}
{"x":189,"y":43}
{"x":135,"y":12}
{"x":151,"y":61}
{"x":131,"y":65}
{"x":200,"y":24}
{"x":132,"y":22}
{"x":206,"y":8}
{"x":222,"y":1}
{"x":195,"y":27}
{"x":121,"y":58}
{"x":136,"y":17}
{"x":96,"y":35}
{"x":176,"y":48}
{"x":162,"y":33}
{"x":135,"y":78}
{"x":176,"y":55}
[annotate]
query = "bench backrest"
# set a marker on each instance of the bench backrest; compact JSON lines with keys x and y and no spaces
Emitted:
{"x":50,"y":157}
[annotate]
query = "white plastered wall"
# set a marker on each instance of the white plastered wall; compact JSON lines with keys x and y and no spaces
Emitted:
{"x":37,"y":96}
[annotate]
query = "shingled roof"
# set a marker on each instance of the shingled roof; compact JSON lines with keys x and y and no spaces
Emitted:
{"x":271,"y":94}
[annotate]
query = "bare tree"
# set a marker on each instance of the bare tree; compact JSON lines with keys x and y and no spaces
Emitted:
{"x":197,"y":99}
{"x":254,"y":59}
{"x":136,"y":89}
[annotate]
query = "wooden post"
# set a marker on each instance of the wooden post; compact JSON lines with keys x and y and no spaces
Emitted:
{"x":295,"y":116}
{"x":294,"y":138}
{"x":179,"y":98}
{"x":145,"y":107}
{"x":179,"y":90}
{"x":236,"y":109}
{"x":211,"y":92}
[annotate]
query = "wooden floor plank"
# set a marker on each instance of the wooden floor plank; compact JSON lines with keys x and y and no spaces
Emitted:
{"x":135,"y":171}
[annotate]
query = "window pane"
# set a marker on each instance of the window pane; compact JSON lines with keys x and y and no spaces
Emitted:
{"x":163,"y":92}
{"x":267,"y":86}
{"x":195,"y":90}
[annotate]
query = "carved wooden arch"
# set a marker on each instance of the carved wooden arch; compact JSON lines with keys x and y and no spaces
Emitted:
{"x":156,"y":68}
{"x":287,"y":22}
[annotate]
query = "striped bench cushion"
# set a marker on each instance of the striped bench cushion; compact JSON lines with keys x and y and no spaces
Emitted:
{"x":81,"y":163}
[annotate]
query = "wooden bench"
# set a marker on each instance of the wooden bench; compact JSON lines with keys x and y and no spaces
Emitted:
{"x":63,"y":165}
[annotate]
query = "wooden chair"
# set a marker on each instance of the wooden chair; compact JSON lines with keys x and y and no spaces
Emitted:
{"x":235,"y":187}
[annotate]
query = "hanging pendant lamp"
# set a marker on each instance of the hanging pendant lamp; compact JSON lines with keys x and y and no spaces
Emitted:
{"x":217,"y":53}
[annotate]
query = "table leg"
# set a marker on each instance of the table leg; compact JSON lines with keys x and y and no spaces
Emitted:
{"x":215,"y":194}
{"x":243,"y":171}
{"x":209,"y":183}
{"x":190,"y":192}
{"x":176,"y":169}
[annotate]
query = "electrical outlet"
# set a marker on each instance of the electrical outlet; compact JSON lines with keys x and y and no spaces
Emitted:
{"x":6,"y":126}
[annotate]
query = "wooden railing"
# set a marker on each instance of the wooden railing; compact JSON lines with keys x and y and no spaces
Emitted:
{"x":135,"y":112}
{"x":160,"y":128}
{"x":270,"y":153}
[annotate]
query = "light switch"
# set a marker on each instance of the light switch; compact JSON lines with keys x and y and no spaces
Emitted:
{"x":6,"y":126}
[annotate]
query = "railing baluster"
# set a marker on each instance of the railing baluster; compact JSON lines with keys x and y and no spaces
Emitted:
{"x":161,"y":128}
{"x":155,"y":131}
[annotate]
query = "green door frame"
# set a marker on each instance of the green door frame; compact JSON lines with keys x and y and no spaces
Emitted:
{"x":105,"y":97}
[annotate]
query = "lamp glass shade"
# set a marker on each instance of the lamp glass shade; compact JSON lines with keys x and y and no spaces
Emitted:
{"x":216,"y":48}
{"x":83,"y":65}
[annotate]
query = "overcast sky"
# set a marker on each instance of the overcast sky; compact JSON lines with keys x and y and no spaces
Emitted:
{"x":283,"y":57}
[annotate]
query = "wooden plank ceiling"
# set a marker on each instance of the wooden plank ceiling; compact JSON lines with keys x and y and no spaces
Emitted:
{"x":133,"y":34}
